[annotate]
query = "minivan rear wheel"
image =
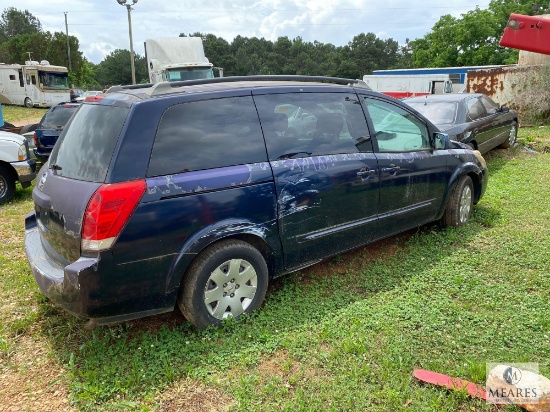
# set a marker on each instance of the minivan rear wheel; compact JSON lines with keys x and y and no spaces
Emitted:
{"x":226,"y":280}
{"x":460,"y":203}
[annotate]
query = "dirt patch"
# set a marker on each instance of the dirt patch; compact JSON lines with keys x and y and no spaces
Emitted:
{"x":278,"y":365}
{"x":33,"y":120}
{"x":190,"y":396}
{"x":290,"y":372}
{"x":338,"y":265}
{"x":32,"y":380}
{"x":152,"y":324}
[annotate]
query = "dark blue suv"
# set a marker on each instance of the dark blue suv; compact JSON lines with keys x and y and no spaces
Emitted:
{"x":196,"y":194}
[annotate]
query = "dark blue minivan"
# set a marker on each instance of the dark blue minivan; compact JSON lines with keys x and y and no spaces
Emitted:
{"x":196,"y":194}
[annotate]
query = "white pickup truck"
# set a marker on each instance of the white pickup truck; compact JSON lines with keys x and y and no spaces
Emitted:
{"x":15,"y":164}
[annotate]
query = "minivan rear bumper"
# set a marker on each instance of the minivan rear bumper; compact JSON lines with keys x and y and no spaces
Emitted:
{"x":86,"y":290}
{"x":60,"y":284}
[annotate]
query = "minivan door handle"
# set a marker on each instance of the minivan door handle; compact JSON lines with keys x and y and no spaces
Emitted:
{"x":364,"y":173}
{"x":391,"y":169}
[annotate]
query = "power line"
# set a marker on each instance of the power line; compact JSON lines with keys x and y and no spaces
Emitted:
{"x":260,"y":10}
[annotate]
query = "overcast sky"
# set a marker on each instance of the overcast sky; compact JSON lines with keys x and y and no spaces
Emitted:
{"x":101,"y":26}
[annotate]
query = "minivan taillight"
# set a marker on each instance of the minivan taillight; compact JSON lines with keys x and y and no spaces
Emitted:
{"x":108,"y":211}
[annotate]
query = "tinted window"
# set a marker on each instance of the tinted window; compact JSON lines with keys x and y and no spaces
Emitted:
{"x":436,"y":112}
{"x":396,"y":130}
{"x":308,"y":124}
{"x":57,"y":117}
{"x":490,"y":106}
{"x":475,"y":109}
{"x":207,"y":134}
{"x":85,"y":147}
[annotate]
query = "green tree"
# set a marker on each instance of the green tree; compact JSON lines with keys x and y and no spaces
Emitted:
{"x":86,"y":77}
{"x":251,"y":55}
{"x":15,"y":50}
{"x":472,"y":39}
{"x":501,"y":9}
{"x":15,"y":22}
{"x":365,"y":53}
{"x":218,"y":52}
{"x":116,"y":69}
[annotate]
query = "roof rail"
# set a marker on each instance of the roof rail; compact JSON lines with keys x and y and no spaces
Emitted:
{"x":167,"y":87}
{"x":114,"y":89}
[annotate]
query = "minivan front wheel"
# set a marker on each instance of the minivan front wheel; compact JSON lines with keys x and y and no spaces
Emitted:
{"x":226,"y":280}
{"x":460,"y":203}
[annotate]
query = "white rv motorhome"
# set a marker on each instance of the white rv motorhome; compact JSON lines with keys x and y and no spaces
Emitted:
{"x":34,"y":84}
{"x":177,"y":58}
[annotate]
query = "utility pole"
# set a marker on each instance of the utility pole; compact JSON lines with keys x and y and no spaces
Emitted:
{"x":68,"y":45}
{"x":131,"y":44}
{"x":128,"y":4}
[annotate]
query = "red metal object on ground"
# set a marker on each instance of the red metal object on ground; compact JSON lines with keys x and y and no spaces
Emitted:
{"x":435,"y":378}
{"x":531,"y":33}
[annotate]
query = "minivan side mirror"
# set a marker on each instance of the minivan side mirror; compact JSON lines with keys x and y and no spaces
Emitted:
{"x":441,"y":141}
{"x":504,"y":109}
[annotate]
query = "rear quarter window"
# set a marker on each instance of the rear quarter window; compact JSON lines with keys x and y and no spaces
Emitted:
{"x":85,"y":148}
{"x":207,"y":134}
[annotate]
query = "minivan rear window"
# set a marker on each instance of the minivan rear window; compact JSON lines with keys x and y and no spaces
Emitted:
{"x":86,"y":146}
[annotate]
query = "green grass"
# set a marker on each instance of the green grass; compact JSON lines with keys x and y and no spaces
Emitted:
{"x":343,"y":335}
{"x":13,"y":114}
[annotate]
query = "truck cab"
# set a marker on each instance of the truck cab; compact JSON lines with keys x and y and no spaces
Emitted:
{"x":177,"y":58}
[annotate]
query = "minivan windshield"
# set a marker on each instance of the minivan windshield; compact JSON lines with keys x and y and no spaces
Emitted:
{"x":85,"y":147}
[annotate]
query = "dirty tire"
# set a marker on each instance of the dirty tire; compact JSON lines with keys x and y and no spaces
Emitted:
{"x":460,"y":203}
{"x":28,"y":128}
{"x":511,"y":137}
{"x":227,"y":279}
{"x":7,"y":185}
{"x":28,"y":102}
